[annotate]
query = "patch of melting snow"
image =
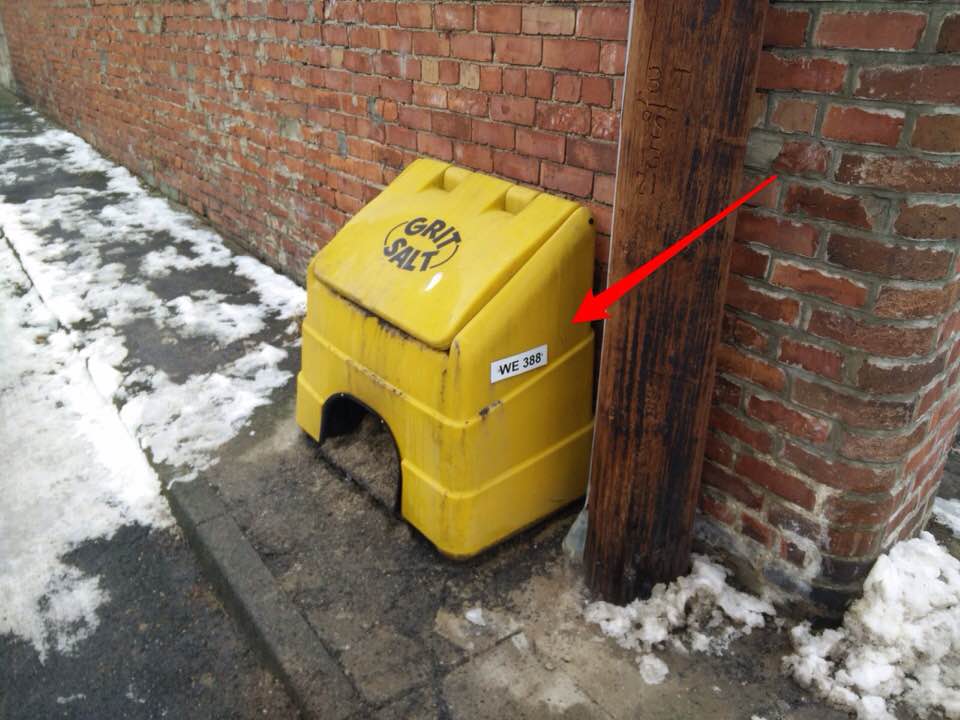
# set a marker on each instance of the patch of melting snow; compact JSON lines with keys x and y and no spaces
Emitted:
{"x":70,"y":698}
{"x":653,"y":670}
{"x":699,"y":612}
{"x":74,"y":468}
{"x":947,"y":513}
{"x":475,"y":616}
{"x":900,"y":642}
{"x":72,"y":473}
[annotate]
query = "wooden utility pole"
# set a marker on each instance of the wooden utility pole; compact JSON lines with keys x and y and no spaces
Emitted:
{"x":691,"y":67}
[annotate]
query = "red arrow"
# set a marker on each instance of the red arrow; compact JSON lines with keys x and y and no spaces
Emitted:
{"x":594,"y":307}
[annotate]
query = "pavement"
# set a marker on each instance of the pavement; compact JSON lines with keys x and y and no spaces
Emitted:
{"x":165,"y":646}
{"x":307,"y":594}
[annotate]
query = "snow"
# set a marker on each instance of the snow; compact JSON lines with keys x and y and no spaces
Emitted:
{"x":900,"y":642}
{"x":76,"y":413}
{"x":699,"y":611}
{"x":475,"y":616}
{"x":182,"y":424}
{"x":653,"y":670}
{"x":947,"y":512}
{"x":205,"y":312}
{"x":72,"y":473}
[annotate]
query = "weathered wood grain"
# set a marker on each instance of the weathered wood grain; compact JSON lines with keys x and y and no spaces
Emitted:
{"x":691,"y":68}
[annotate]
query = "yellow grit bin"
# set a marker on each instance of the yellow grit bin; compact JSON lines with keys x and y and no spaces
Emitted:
{"x":445,"y":306}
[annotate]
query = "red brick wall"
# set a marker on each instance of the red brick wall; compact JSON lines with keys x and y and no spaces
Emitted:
{"x":836,"y":393}
{"x":278,"y":120}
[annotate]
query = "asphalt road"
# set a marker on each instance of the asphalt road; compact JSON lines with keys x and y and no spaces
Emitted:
{"x":164,"y":647}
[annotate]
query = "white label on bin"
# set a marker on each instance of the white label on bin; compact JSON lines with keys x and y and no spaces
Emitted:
{"x":518,"y":364}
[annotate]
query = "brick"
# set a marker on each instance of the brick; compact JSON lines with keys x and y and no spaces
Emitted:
{"x":744,"y":260}
{"x":732,"y":361}
{"x":429,"y":96}
{"x":813,"y":358}
{"x":790,"y":420}
{"x":835,"y":288}
{"x":789,"y":487}
{"x":803,"y":74}
{"x":582,"y":55}
{"x":605,"y":23}
{"x":883,"y":30}
{"x":516,"y":166}
{"x":845,"y":510}
{"x":416,"y":118}
{"x":902,"y":262}
{"x":756,"y":529}
{"x":518,"y":50}
{"x":520,"y":111}
{"x":477,"y":157}
{"x":767,"y":305}
{"x":733,"y":426}
{"x":400,"y":41}
{"x":854,"y":543}
{"x":540,"y":144}
{"x":792,"y":553}
{"x":937,"y":132}
{"x":785,"y":28}
{"x":604,"y":124}
{"x":491,"y":79}
{"x":726,"y":392}
{"x":948,"y":41}
{"x":899,"y":173}
{"x":363,"y":37}
{"x":613,"y":58}
{"x":431,"y":43}
{"x":492,"y":133}
{"x":914,"y":303}
{"x":451,"y":125}
{"x":912,"y":84}
{"x":930,"y":398}
{"x":403,"y":137}
{"x":472,"y":47}
{"x":737,"y":331}
{"x":548,"y":20}
{"x":499,"y":18}
{"x":802,"y":158}
{"x":819,"y":203}
{"x":434,"y":146}
{"x":891,"y":379}
{"x":597,"y":91}
{"x":856,"y":412}
{"x":564,"y":178}
{"x":929,"y":221}
{"x":566,"y":88}
{"x":887,"y":340}
{"x":795,"y":116}
{"x":603,"y":188}
{"x":881,"y":448}
{"x":539,"y":84}
{"x":858,"y":125}
{"x":414,"y":15}
{"x":470,"y":76}
{"x":716,"y":450}
{"x":380,"y":13}
{"x":781,"y":234}
{"x":467,"y":102}
{"x":453,"y":16}
{"x":514,"y":81}
{"x":716,"y":508}
{"x":563,"y":118}
{"x":592,"y":154}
